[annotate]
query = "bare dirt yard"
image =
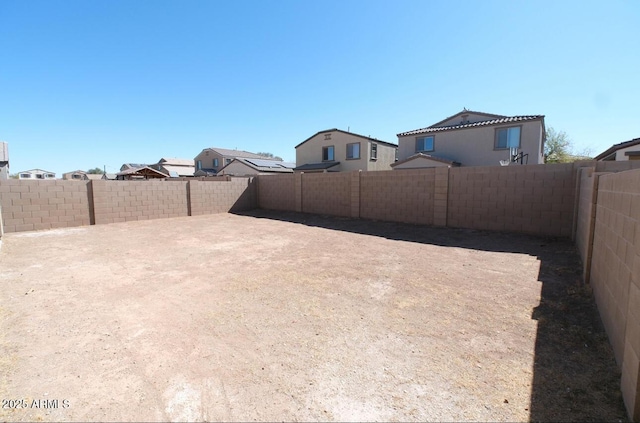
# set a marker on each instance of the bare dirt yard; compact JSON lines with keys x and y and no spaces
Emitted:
{"x":281,"y":316}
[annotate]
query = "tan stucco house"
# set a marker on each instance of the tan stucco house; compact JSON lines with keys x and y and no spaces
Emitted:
{"x":247,"y":167}
{"x":334,"y":150}
{"x":36,"y":174}
{"x":471,"y":138}
{"x":211,"y":160}
{"x":628,"y":150}
{"x":81,"y":175}
{"x":174,"y":167}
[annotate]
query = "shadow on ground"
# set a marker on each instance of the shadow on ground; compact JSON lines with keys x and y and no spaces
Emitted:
{"x":575,"y":377}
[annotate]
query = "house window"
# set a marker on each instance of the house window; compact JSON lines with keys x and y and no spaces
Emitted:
{"x":39,"y":175}
{"x":51,"y":175}
{"x":198,"y":164}
{"x":227,"y":161}
{"x":25,"y":175}
{"x":424,"y":144}
{"x":374,"y":151}
{"x":353,"y":151}
{"x":76,"y":176}
{"x":215,"y":163}
{"x":507,"y":138}
{"x":327,"y":154}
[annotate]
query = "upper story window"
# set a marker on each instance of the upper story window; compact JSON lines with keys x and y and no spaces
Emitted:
{"x":215,"y":162}
{"x":374,"y":151}
{"x":76,"y":176}
{"x":227,"y":161}
{"x":198,"y":164}
{"x":424,"y":144}
{"x":507,"y":138}
{"x":50,"y":176}
{"x":25,"y":175}
{"x":353,"y":151}
{"x":328,"y":154}
{"x":39,"y":175}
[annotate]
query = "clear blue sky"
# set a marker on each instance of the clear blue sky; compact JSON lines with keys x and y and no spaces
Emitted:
{"x":93,"y":83}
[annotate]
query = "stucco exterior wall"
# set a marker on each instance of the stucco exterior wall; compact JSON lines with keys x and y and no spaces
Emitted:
{"x":419,"y":163}
{"x":239,"y":169}
{"x":311,"y":152}
{"x":620,"y":154}
{"x":475,"y":146}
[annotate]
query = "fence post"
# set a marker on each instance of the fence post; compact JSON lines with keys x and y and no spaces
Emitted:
{"x":297,"y":186}
{"x":441,"y":196}
{"x":355,"y":193}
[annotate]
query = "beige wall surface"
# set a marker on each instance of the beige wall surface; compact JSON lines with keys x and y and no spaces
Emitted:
{"x":276,"y":192}
{"x":475,"y":146}
{"x":620,"y":156}
{"x":406,"y":196}
{"x":207,"y":160}
{"x":122,"y":201}
{"x":419,"y":163}
{"x":326,"y":193}
{"x":208,"y":197}
{"x":239,"y":168}
{"x":586,"y":216}
{"x":34,"y":205}
{"x":615,"y":275}
{"x":311,"y":152}
{"x":536,"y":199}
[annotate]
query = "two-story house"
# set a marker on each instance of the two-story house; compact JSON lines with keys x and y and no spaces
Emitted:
{"x":334,"y":150}
{"x":211,"y":160}
{"x":624,"y":151}
{"x":473,"y":138}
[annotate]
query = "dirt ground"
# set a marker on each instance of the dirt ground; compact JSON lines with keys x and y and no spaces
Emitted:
{"x":280,"y":316}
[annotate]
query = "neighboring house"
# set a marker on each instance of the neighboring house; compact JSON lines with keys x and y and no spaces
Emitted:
{"x":245,"y":167}
{"x":127,"y":166}
{"x":628,"y":150}
{"x":135,"y":173}
{"x":4,"y":160}
{"x":81,"y":175}
{"x":109,"y":176}
{"x":334,"y":150}
{"x":474,"y":139}
{"x":421,"y":160}
{"x":36,"y":174}
{"x":211,"y":160}
{"x":77,"y":175}
{"x":174,"y":167}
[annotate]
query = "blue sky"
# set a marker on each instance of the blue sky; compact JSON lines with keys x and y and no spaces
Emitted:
{"x":94,"y":83}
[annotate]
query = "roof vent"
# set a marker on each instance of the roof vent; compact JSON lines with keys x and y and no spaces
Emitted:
{"x":465,"y":119}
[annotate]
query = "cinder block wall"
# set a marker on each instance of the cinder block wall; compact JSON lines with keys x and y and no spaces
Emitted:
{"x":209,"y":197}
{"x":615,"y":275}
{"x":122,"y":201}
{"x":33,"y":205}
{"x":586,"y":216}
{"x":276,"y":192}
{"x":535,"y":199}
{"x":399,"y":196}
{"x":327,"y":193}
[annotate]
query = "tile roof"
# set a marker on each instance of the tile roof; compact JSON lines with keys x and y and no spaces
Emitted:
{"x":317,"y":166}
{"x":617,"y":147}
{"x":349,"y":133}
{"x":498,"y":121}
{"x":428,"y":157}
{"x":175,"y":161}
{"x":265,"y":165}
{"x":238,"y":153}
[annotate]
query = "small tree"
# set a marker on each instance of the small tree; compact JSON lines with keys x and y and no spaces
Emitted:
{"x":270,"y":156}
{"x":95,"y":171}
{"x":556,"y":147}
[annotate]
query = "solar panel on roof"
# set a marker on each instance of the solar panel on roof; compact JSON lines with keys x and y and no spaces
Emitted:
{"x":264,"y":163}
